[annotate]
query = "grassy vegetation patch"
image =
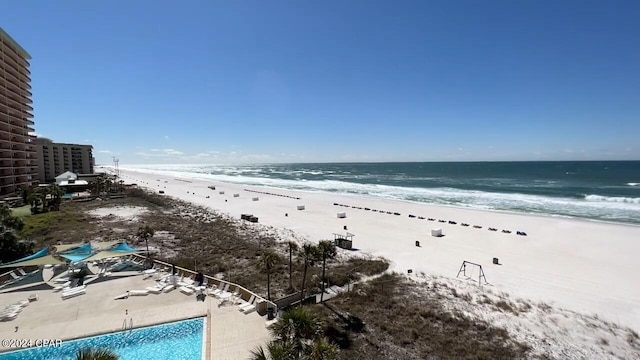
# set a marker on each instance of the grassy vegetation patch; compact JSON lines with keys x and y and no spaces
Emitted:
{"x":40,"y":225}
{"x":387,"y":318}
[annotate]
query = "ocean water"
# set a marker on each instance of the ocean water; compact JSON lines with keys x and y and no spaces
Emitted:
{"x":599,"y":190}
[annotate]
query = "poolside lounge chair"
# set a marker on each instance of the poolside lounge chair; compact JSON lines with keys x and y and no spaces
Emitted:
{"x":224,"y":291}
{"x":186,"y":282}
{"x":168,"y":288}
{"x":73,"y":292}
{"x":121,"y":296}
{"x":144,"y":292}
{"x":217,"y":290}
{"x":64,"y":286}
{"x":236,"y":295}
{"x":248,"y":307}
{"x":8,"y":315}
{"x":10,"y":312}
{"x":21,"y":272}
{"x":14,"y":275}
{"x":186,"y":290}
{"x":154,"y":289}
{"x":243,"y":304}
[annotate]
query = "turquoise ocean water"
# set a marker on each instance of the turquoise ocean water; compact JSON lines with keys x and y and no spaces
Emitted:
{"x":599,"y":190}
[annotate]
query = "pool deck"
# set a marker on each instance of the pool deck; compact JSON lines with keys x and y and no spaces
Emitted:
{"x":231,"y":334}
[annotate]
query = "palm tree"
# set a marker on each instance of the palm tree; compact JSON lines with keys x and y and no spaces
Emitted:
{"x":57,"y":193}
{"x":96,"y":354}
{"x":297,"y":335}
{"x":107,"y":185}
{"x":268,"y":261}
{"x":35,"y":200}
{"x":323,"y":349}
{"x":25,"y":191}
{"x":146,"y":232}
{"x":297,"y":327}
{"x":276,"y":350}
{"x":292,"y":247}
{"x":328,"y":251}
{"x":309,"y":254}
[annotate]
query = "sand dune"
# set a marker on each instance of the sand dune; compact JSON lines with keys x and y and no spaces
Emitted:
{"x":584,"y":266}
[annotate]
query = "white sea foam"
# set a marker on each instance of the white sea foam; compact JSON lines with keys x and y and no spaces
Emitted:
{"x":633,"y":184}
{"x":591,"y":206}
{"x":598,"y":198}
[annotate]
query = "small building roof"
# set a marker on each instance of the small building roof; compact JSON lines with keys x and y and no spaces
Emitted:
{"x":73,"y":183}
{"x":67,"y":175}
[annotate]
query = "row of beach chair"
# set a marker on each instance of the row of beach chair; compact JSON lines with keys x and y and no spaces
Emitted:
{"x":222,"y":293}
{"x":165,"y":282}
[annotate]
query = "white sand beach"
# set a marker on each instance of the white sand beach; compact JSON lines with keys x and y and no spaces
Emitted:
{"x":583,"y":266}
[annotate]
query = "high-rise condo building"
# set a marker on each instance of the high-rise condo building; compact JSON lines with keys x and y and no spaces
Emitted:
{"x":18,"y":164}
{"x":57,"y":158}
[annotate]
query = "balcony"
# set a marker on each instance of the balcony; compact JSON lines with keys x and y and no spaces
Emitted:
{"x":16,"y":116}
{"x":13,"y":55}
{"x":15,"y":104}
{"x":10,"y":79}
{"x":20,"y":99}
{"x":11,"y":65}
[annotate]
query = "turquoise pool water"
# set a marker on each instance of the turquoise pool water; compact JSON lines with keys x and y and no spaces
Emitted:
{"x":179,"y":340}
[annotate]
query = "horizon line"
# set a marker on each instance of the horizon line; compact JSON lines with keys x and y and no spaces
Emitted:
{"x":378,"y":162}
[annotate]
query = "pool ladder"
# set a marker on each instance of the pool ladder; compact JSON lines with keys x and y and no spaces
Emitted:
{"x":127,"y":326}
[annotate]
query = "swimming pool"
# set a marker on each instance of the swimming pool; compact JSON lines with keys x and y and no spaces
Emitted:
{"x":177,"y":340}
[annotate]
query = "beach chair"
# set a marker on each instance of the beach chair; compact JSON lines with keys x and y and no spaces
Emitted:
{"x":250,"y":306}
{"x":8,"y":315}
{"x":144,"y":292}
{"x":154,"y":289}
{"x":61,"y":280}
{"x":236,"y":293}
{"x":186,"y":282}
{"x":217,"y":290}
{"x":186,"y":290}
{"x":168,"y":288}
{"x":224,"y":291}
{"x":73,"y":292}
{"x":244,"y":304}
{"x":61,"y":287}
{"x":10,"y":312}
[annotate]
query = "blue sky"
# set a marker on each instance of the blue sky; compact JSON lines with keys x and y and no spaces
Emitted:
{"x":272,"y":81}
